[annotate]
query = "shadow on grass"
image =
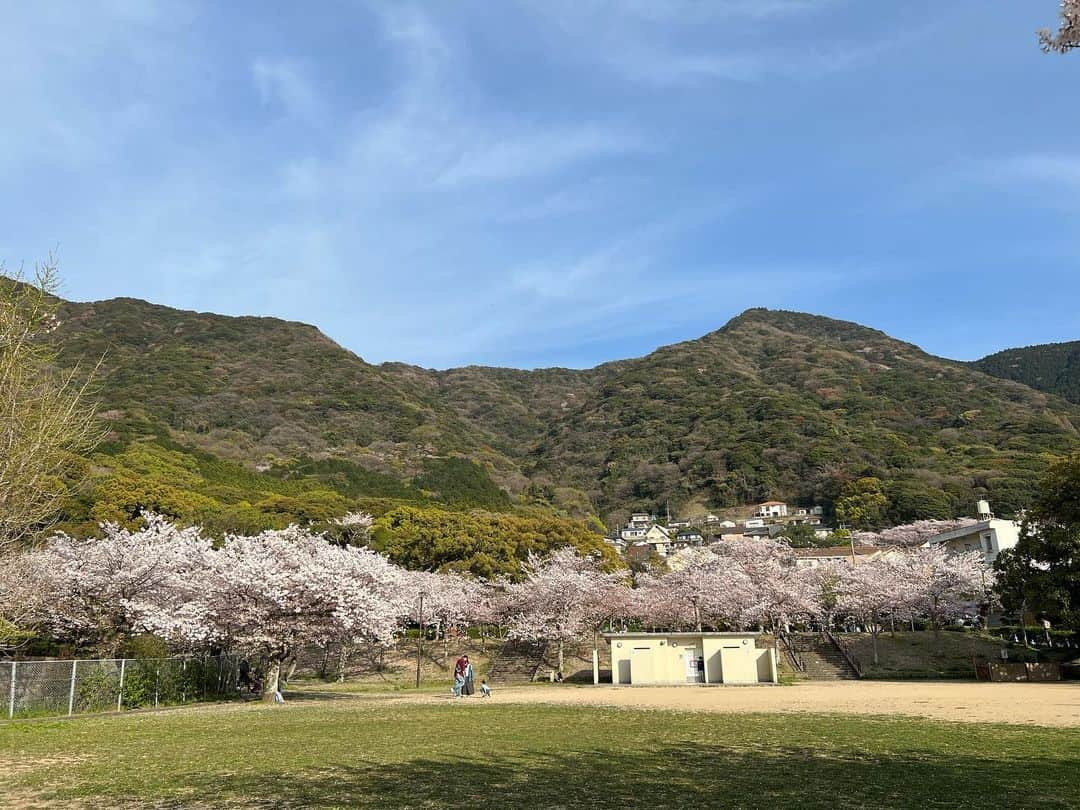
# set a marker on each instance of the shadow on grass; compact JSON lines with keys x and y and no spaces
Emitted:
{"x":674,"y":776}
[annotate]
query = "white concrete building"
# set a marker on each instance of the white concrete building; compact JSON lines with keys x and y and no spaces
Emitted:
{"x":989,"y":535}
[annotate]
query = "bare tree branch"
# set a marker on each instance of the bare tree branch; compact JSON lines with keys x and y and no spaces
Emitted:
{"x":46,"y":418}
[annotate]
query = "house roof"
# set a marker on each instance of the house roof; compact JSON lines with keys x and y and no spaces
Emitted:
{"x":773,"y":503}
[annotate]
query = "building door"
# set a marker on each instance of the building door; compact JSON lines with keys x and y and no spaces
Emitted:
{"x":694,"y":664}
{"x":641,"y":669}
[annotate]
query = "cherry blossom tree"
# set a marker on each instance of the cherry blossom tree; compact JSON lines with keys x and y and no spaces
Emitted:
{"x":943,"y":585}
{"x":1068,"y":35}
{"x":732,"y":584}
{"x":23,"y":601}
{"x":562,"y":597}
{"x":273,"y":593}
{"x":873,"y":592}
{"x":706,"y":589}
{"x":97,"y":592}
{"x":777,"y":592}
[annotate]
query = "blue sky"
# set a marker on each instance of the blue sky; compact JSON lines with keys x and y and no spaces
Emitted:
{"x":552,"y":183}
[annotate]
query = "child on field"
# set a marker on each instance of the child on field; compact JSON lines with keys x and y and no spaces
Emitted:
{"x":459,"y":684}
{"x":485,"y":690}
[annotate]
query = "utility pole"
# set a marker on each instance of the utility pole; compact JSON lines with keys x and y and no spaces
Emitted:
{"x":420,"y":640}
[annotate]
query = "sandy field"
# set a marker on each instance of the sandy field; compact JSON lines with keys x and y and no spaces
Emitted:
{"x":1044,"y":704}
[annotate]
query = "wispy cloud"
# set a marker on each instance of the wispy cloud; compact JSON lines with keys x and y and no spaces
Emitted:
{"x":282,"y":82}
{"x":1051,"y":169}
{"x":522,"y":154}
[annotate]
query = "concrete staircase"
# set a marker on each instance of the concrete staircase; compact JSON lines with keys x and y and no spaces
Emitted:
{"x":517,"y":662}
{"x":822,"y":659}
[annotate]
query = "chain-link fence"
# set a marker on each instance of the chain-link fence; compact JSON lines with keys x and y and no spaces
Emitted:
{"x":44,"y":688}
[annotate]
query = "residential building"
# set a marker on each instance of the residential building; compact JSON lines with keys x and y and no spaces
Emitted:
{"x":688,"y":538}
{"x":771,"y":509}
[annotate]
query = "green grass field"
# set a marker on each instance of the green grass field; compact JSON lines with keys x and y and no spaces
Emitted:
{"x":370,"y":752}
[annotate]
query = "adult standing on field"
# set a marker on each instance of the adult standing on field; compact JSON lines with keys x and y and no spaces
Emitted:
{"x":467,"y":688}
{"x":459,"y":667}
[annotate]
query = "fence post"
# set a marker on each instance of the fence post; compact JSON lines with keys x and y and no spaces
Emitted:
{"x":71,"y":691}
{"x":183,"y":681}
{"x":120,"y":692}
{"x":11,"y":696}
{"x":157,"y":683}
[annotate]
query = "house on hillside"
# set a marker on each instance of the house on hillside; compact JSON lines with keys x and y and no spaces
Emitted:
{"x":660,"y":539}
{"x":617,"y":542}
{"x":989,"y":535}
{"x":688,"y":538}
{"x":771,"y":509}
{"x":837,"y":555}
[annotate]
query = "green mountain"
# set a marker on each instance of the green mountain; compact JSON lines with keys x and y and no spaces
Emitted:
{"x":1051,"y":367}
{"x":774,"y":404}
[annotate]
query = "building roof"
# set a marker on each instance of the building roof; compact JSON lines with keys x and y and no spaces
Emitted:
{"x":830,"y":552}
{"x":773,"y":503}
{"x":680,"y":634}
{"x":963,"y":531}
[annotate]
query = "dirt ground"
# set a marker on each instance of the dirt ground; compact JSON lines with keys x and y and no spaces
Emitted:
{"x":1043,"y":704}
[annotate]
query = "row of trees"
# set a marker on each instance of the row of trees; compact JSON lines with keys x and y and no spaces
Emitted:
{"x":276,"y":592}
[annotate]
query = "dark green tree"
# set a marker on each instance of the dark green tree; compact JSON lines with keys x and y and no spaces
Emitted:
{"x":1042,"y":574}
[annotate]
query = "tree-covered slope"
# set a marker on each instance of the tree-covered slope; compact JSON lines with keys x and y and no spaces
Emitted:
{"x":1051,"y":367}
{"x":774,"y":404}
{"x":780,"y":404}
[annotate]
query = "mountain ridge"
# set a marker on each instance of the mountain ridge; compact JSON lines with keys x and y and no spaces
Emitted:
{"x":1050,"y":367}
{"x":773,"y":403}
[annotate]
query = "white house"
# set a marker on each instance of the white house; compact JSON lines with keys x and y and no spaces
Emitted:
{"x":754,"y":523}
{"x":771,"y":509}
{"x":989,"y":535}
{"x":660,"y":539}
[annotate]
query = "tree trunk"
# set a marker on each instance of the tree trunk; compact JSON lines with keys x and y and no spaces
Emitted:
{"x":270,"y":682}
{"x":874,"y":635}
{"x":560,"y":655}
{"x":1023,"y":622}
{"x":343,"y":659}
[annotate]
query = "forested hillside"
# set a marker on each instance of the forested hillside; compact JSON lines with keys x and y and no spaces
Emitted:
{"x":1051,"y":367}
{"x":257,"y":414}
